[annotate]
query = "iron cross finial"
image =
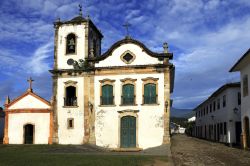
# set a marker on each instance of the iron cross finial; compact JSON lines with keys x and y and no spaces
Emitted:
{"x":127,"y":25}
{"x":30,"y":83}
{"x":80,"y":9}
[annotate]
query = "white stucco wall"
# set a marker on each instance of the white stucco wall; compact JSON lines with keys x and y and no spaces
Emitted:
{"x":245,"y":104}
{"x":75,"y":135}
{"x":142,"y":58}
{"x":63,"y":31}
{"x":150,"y":117}
{"x":29,"y":101}
{"x":224,"y":114}
{"x":41,"y":121}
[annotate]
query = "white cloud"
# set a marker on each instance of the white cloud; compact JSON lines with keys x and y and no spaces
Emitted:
{"x":38,"y":62}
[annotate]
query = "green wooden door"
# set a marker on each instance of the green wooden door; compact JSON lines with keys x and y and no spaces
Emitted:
{"x":128,"y":132}
{"x":28,"y":134}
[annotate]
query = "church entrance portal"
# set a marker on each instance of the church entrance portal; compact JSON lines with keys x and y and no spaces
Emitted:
{"x":128,"y":132}
{"x":29,"y":134}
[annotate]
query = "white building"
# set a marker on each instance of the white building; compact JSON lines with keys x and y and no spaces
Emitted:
{"x":218,"y":117}
{"x":243,"y":65}
{"x":119,"y":99}
{"x":28,"y":120}
{"x":192,"y":119}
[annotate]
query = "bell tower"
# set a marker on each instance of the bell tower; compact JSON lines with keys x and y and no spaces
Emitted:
{"x":76,"y":41}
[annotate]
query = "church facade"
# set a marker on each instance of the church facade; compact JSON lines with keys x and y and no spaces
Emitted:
{"x":119,"y":99}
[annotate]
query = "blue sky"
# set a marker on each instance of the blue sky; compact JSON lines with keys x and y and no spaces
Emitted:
{"x":206,"y":37}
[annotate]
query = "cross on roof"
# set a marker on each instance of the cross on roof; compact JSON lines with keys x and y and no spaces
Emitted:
{"x":127,"y":25}
{"x":30,"y":83}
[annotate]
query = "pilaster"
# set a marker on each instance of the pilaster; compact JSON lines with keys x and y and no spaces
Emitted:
{"x":166,"y":136}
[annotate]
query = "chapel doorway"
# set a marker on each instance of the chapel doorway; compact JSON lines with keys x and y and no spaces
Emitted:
{"x":29,"y":134}
{"x":246,"y":132}
{"x":128,"y":132}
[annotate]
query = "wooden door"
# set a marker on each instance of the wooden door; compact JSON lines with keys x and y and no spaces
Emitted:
{"x":128,"y":132}
{"x":237,"y":132}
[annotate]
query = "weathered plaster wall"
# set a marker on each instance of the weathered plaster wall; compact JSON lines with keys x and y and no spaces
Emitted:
{"x":41,"y":121}
{"x":75,"y":135}
{"x":150,"y":117}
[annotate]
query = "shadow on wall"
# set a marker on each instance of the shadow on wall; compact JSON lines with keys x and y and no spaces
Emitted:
{"x":2,"y":114}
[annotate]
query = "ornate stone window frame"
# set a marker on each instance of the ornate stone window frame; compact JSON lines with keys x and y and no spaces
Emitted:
{"x":128,"y":52}
{"x":128,"y":81}
{"x":107,"y":82}
{"x":149,"y":80}
{"x":74,"y":84}
{"x":66,"y":41}
{"x":123,"y":113}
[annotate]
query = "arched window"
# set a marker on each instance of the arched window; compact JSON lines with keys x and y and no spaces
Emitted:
{"x":107,"y":97}
{"x":150,"y":93}
{"x":128,"y":97}
{"x":70,"y":98}
{"x":71,"y":44}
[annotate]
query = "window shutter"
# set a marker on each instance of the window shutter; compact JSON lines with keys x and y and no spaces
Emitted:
{"x":128,"y":94}
{"x":107,"y":94}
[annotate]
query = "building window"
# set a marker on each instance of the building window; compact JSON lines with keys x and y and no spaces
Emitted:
{"x":207,"y":109}
{"x":150,"y":90}
{"x":221,"y":128}
{"x":149,"y":94}
{"x":239,"y":98}
{"x":218,"y":104}
{"x":106,"y":92}
{"x":224,"y":101}
{"x":214,"y":105}
{"x":127,"y":57}
{"x":71,"y":44}
{"x":128,"y":95}
{"x":107,"y":97}
{"x":225,"y":128}
{"x":70,"y":123}
{"x":210,"y":107}
{"x":70,"y":98}
{"x":245,"y":86}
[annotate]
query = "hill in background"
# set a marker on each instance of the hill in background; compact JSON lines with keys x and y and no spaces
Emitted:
{"x":181,"y":113}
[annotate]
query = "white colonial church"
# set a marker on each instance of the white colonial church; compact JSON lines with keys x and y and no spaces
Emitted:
{"x":119,"y":99}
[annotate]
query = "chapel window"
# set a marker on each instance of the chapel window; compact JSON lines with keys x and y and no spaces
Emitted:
{"x":107,"y":97}
{"x":70,"y":123}
{"x":128,"y":97}
{"x":71,"y":44}
{"x":70,"y":98}
{"x":150,"y":93}
{"x":127,"y":57}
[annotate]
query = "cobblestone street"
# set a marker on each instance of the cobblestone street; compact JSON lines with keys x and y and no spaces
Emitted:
{"x":191,"y":151}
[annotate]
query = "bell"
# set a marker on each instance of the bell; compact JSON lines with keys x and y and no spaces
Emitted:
{"x":71,"y":44}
